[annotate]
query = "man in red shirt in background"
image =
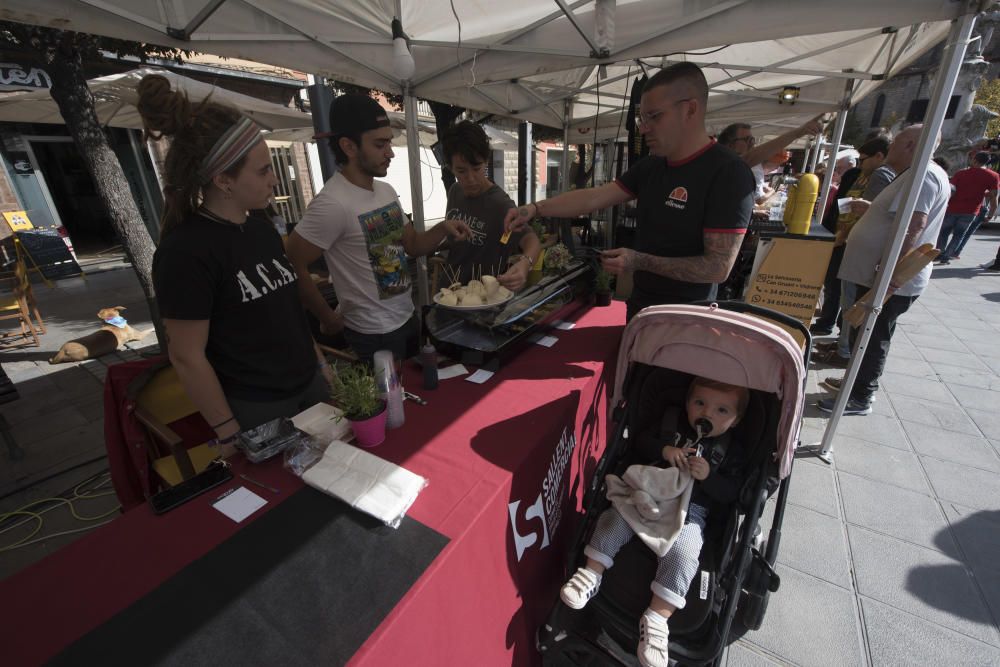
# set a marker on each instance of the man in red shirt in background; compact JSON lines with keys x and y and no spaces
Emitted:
{"x":971,"y":185}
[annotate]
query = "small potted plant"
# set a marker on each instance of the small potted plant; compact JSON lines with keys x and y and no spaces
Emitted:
{"x":602,"y":288}
{"x":353,"y":390}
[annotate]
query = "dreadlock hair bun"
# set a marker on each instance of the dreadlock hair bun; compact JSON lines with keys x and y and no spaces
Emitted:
{"x":163,"y":111}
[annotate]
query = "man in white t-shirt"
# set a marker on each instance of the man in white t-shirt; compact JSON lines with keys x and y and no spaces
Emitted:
{"x":358,"y":225}
{"x":865,"y":245}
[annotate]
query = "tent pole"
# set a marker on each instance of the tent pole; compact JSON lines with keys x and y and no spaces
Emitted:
{"x":806,"y":154}
{"x":838,"y":134}
{"x":416,"y":187}
{"x":320,"y":98}
{"x":951,"y":63}
{"x":564,"y":166}
{"x":817,"y":150}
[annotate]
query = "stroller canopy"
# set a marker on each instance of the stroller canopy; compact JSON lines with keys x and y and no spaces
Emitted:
{"x":726,"y":346}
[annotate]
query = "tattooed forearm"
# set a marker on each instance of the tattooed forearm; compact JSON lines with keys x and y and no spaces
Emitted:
{"x":711,"y":267}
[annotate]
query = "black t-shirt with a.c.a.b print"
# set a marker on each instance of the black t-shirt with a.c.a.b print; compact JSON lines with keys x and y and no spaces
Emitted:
{"x":710,"y":191}
{"x":238,"y":278}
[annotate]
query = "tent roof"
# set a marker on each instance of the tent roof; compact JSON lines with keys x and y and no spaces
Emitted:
{"x":524,"y":57}
{"x":115,"y":98}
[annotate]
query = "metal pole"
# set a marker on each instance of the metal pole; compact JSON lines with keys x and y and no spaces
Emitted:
{"x":524,"y":150}
{"x":805,"y":156}
{"x":564,"y":166}
{"x":416,"y":186}
{"x":838,"y":133}
{"x":816,"y":152}
{"x":958,"y":39}
{"x":320,"y":98}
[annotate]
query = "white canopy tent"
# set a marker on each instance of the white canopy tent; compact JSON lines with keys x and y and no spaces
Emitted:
{"x":115,"y":98}
{"x":525,"y":57}
{"x":541,"y":62}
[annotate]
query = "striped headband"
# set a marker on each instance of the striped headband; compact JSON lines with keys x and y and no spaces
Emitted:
{"x":227,"y":151}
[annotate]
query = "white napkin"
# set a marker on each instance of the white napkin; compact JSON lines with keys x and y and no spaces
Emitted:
{"x":321,"y":421}
{"x":365,"y":482}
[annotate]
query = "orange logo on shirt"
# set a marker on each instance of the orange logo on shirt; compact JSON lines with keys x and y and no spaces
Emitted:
{"x":679,"y":194}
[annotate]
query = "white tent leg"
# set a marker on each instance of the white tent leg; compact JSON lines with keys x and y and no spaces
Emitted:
{"x":838,"y":134}
{"x":958,"y":39}
{"x":806,"y":155}
{"x":817,"y":150}
{"x":416,"y":187}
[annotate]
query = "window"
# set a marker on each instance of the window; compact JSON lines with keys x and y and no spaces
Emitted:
{"x":918,"y":109}
{"x":877,"y":113}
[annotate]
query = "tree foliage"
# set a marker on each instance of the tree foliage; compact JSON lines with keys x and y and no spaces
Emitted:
{"x":989,"y":96}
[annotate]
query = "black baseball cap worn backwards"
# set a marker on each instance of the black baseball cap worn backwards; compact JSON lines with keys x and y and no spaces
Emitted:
{"x":354,"y":114}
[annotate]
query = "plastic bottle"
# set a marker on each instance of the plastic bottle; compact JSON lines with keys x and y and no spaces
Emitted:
{"x":389,"y":387}
{"x":428,"y":360}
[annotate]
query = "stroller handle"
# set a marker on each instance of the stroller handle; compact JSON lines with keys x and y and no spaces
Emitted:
{"x":767,"y":314}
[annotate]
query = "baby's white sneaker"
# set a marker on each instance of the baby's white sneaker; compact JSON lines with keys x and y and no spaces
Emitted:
{"x":653,"y":640}
{"x":580,"y":588}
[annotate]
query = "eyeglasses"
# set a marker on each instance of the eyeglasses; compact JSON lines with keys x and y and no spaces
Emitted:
{"x":750,"y":140}
{"x":650,"y":118}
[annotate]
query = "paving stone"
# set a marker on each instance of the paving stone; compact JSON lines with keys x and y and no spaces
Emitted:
{"x":946,"y":342}
{"x":880,"y":429}
{"x":898,"y":638}
{"x":976,"y":398}
{"x":937,"y":415}
{"x":961,"y":359}
{"x":977,"y":533}
{"x":921,"y":581}
{"x":987,"y":421}
{"x":907,"y":385}
{"x":903,"y":366}
{"x":978,"y":489}
{"x":970,"y":450}
{"x":810,"y":622}
{"x":744,"y":655}
{"x":985,"y":379}
{"x":812,"y":487}
{"x":886,"y":464}
{"x":901,"y":513}
{"x":46,"y":426}
{"x":813,"y":543}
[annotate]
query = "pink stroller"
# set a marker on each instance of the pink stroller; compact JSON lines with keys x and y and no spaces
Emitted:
{"x":662,"y":348}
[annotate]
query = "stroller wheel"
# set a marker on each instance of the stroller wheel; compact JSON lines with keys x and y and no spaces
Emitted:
{"x":752,"y":609}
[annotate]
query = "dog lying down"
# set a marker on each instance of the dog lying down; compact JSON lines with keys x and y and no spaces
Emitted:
{"x":115,"y":333}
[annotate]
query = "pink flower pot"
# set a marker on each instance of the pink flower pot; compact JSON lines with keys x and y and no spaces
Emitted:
{"x":370,"y":432}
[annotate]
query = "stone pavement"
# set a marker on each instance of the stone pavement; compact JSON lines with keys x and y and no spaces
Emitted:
{"x":890,"y":555}
{"x":58,"y":421}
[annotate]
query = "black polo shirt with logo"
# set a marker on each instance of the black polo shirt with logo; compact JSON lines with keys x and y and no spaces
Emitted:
{"x":678,"y":202}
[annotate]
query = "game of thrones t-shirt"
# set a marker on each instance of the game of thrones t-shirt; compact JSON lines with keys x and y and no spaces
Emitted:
{"x":482,"y":254}
{"x":238,"y":278}
{"x":361,"y":234}
{"x":710,"y":191}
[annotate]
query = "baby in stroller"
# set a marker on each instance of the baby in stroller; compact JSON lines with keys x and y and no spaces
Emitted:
{"x":691,"y":456}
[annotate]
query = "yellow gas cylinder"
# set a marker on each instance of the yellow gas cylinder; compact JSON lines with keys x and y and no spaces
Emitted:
{"x":800,"y":203}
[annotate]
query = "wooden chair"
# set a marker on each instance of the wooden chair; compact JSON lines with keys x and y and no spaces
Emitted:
{"x":160,"y":402}
{"x":21,"y":304}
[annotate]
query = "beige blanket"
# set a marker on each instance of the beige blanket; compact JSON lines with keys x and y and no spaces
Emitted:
{"x":654,"y":503}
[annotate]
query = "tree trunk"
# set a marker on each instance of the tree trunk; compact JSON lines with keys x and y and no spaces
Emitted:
{"x":70,"y":91}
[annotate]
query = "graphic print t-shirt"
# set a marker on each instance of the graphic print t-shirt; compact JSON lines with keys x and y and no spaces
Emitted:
{"x":361,"y":234}
{"x":482,"y":253}
{"x":238,"y":278}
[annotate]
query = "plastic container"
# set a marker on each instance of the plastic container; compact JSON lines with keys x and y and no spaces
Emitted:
{"x":428,"y":360}
{"x":389,"y":387}
{"x":800,"y":204}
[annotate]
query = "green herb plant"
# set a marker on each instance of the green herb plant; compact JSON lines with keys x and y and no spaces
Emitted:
{"x":353,"y":390}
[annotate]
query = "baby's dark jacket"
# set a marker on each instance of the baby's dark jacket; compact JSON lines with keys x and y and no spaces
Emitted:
{"x":726,"y":476}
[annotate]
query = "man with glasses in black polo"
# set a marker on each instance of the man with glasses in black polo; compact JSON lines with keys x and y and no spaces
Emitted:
{"x":694,"y":198}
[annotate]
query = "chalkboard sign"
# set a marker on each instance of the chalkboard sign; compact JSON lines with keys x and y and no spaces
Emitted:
{"x":49,"y":252}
